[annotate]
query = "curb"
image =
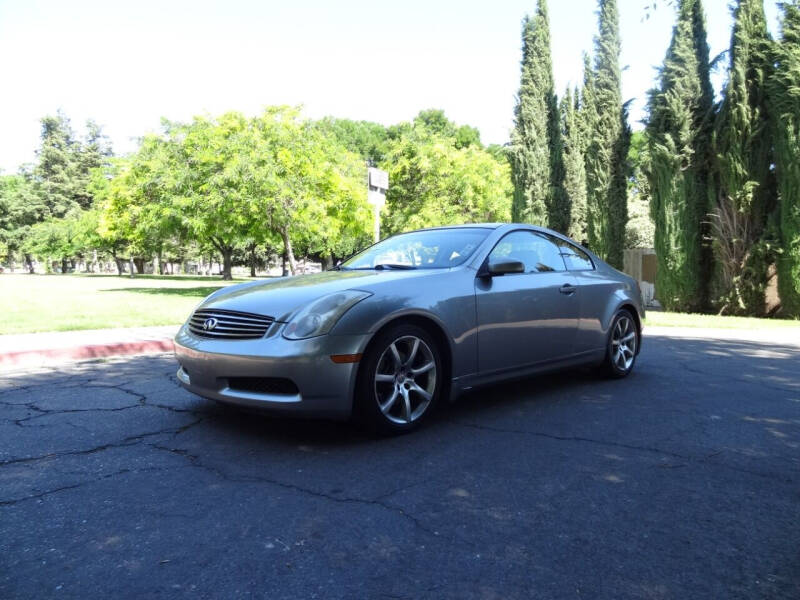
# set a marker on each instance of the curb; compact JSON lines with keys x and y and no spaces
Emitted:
{"x":44,"y":357}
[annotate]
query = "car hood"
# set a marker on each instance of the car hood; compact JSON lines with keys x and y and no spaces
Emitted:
{"x":283,"y":296}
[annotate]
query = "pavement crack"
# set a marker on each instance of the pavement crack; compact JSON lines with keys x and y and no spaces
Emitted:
{"x":196,"y":462}
{"x":703,"y":460}
{"x":128,"y":441}
{"x":69,"y":411}
{"x":571,"y":438}
{"x":65,"y":488}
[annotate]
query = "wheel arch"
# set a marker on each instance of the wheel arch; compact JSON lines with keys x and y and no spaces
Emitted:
{"x":432,"y":326}
{"x":629,"y":306}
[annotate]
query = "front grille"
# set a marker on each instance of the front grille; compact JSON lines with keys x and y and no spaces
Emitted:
{"x":263,"y":385}
{"x":228,"y":324}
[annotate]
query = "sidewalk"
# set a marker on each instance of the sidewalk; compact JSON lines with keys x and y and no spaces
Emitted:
{"x":779,"y":336}
{"x":45,"y":349}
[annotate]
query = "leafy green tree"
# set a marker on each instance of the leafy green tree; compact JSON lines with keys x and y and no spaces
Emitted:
{"x":57,"y":238}
{"x":679,"y":130}
{"x":310,"y":189}
{"x":20,"y":208}
{"x":785,"y":94}
{"x":435,"y":121}
{"x":234,"y":185}
{"x":432,"y":182}
{"x":133,"y":196}
{"x":744,"y":155}
{"x":536,"y":148}
{"x":574,"y":166}
{"x":364,"y":138}
{"x":607,"y":150}
{"x":208,"y":177}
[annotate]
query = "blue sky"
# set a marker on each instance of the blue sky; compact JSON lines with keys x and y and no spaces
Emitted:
{"x":127,"y":64}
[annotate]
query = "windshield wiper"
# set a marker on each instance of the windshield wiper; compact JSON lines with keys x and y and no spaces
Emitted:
{"x":382,"y":266}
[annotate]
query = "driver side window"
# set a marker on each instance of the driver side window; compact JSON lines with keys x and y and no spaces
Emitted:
{"x":536,"y":252}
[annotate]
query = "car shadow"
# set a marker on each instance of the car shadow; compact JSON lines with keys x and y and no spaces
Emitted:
{"x":717,"y":362}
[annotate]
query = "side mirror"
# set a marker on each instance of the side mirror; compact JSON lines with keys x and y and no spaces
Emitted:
{"x":504,"y":266}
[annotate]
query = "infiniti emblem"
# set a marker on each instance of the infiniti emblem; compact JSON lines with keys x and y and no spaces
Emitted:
{"x":210,"y":324}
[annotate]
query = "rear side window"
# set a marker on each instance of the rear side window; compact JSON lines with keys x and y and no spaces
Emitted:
{"x":575,"y":258}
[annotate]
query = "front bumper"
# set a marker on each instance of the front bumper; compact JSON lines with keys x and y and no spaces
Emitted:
{"x":323,"y":388}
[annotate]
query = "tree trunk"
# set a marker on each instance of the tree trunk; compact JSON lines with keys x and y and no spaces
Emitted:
{"x":288,"y":253}
{"x":117,"y":262}
{"x":63,"y":265}
{"x":252,"y":260}
{"x":327,"y":262}
{"x":130,"y":266}
{"x":227,"y":256}
{"x":284,"y":270}
{"x":139,"y":263}
{"x":29,"y":264}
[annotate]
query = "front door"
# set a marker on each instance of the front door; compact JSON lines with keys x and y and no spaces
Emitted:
{"x":526,"y":318}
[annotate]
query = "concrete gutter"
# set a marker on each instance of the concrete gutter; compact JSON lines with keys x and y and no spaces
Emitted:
{"x":45,"y":349}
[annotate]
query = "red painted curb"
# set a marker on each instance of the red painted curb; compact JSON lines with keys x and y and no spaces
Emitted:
{"x":28,"y":357}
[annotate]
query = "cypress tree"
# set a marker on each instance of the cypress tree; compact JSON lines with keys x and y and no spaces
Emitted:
{"x":537,"y":165}
{"x":606,"y":157}
{"x":679,"y":128}
{"x":786,"y":116}
{"x":587,"y":111}
{"x":574,"y":166}
{"x":743,"y":151}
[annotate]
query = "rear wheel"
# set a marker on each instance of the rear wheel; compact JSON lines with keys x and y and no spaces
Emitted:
{"x":623,"y":343}
{"x":399,"y":380}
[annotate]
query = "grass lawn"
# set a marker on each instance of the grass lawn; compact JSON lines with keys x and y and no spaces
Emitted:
{"x":670,"y":319}
{"x":32,"y":303}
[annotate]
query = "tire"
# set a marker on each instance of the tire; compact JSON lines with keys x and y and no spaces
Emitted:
{"x":622,"y":345}
{"x":399,"y":381}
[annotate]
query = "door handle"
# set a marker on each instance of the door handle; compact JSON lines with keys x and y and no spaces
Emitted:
{"x":567,"y":289}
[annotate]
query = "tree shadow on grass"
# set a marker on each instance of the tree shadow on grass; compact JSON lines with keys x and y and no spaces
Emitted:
{"x":193,"y":292}
{"x":166,"y":277}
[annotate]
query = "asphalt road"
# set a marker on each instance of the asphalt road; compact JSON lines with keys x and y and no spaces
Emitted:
{"x":682,"y":481}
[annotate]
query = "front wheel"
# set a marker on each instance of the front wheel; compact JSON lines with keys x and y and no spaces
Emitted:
{"x":623,"y":343}
{"x":400,"y":379}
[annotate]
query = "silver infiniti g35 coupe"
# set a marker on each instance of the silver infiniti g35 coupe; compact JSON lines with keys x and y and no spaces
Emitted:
{"x":415,"y":318}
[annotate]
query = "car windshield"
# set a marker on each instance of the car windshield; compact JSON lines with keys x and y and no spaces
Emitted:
{"x":430,"y":249}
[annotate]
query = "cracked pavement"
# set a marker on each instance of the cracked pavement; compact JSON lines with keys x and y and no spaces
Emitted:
{"x":681,"y":481}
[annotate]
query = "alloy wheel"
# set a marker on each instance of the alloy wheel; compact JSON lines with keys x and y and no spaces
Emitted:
{"x":623,"y":343}
{"x":405,"y":379}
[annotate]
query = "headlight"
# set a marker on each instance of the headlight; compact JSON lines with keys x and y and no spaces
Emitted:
{"x":321,"y":315}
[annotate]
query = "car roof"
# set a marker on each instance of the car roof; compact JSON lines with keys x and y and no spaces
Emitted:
{"x":505,"y":226}
{"x":464,"y":226}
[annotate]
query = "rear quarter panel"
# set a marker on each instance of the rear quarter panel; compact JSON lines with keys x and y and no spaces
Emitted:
{"x":603,"y":292}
